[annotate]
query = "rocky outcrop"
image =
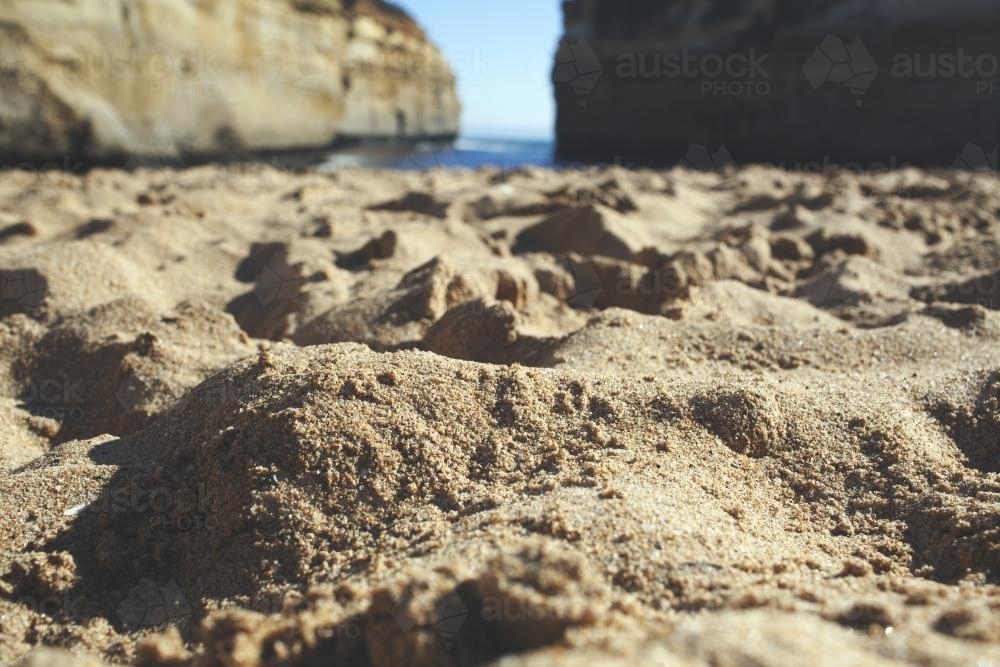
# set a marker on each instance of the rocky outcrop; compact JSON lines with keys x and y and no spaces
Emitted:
{"x":800,"y":83}
{"x":105,"y":80}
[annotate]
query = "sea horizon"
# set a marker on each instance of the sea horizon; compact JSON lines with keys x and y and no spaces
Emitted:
{"x":468,"y":151}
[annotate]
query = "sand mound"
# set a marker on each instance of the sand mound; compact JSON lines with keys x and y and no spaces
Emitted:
{"x":113,"y":368}
{"x":475,"y":330}
{"x":260,"y":418}
{"x":983,"y":290}
{"x":507,"y":200}
{"x":400,"y":315}
{"x":588,"y":230}
{"x":299,"y":471}
{"x":415,"y":202}
{"x":44,"y":283}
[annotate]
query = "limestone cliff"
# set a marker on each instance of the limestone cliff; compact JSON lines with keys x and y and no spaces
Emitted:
{"x":794,"y":82}
{"x":103,"y":80}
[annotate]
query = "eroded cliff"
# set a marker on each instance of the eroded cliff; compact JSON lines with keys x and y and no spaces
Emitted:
{"x":103,"y":80}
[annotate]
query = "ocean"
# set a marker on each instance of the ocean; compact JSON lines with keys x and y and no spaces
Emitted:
{"x":466,"y":152}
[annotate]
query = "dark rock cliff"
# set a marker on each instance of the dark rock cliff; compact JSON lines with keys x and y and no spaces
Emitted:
{"x":793,"y":82}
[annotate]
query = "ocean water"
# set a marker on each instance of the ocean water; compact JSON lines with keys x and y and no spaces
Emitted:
{"x":467,"y":153}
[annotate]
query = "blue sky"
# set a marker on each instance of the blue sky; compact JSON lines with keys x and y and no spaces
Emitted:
{"x":499,"y":51}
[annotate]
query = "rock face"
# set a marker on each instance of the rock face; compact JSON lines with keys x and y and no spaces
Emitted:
{"x":104,"y":80}
{"x":797,"y":83}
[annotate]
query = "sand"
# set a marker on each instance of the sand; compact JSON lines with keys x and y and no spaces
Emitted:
{"x":256,"y":417}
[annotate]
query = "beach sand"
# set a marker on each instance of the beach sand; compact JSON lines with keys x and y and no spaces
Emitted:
{"x":254,"y":417}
